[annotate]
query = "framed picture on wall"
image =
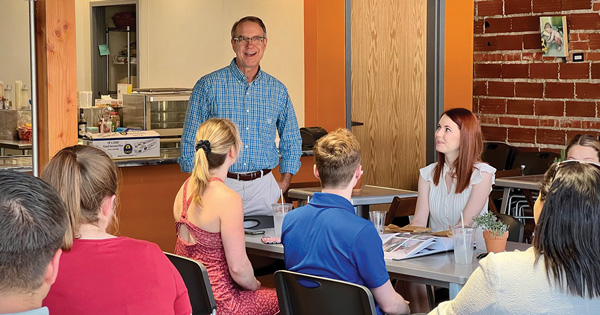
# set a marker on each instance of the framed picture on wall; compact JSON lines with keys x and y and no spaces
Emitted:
{"x":554,"y":36}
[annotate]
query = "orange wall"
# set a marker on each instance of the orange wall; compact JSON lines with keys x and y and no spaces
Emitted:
{"x":458,"y":54}
{"x":146,"y":203}
{"x":324,"y":63}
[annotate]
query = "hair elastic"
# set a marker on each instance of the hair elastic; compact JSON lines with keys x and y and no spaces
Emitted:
{"x":204,"y":145}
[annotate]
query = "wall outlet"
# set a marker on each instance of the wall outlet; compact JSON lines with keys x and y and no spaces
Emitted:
{"x":578,"y":57}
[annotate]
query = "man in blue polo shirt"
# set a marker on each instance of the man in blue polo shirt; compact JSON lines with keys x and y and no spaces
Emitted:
{"x":325,"y":238}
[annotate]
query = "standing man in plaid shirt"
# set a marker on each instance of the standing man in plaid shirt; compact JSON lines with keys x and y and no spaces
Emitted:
{"x":260,"y":106}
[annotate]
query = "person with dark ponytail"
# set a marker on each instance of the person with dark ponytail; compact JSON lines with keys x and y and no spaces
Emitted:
{"x":209,"y":222}
{"x":101,"y":273}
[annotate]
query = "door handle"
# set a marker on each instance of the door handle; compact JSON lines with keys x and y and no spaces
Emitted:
{"x":356,"y":123}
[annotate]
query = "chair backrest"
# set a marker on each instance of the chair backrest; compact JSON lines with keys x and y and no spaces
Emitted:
{"x":258,"y":222}
{"x":497,"y":154}
{"x":302,"y":294}
{"x":534,"y":162}
{"x":401,"y":207}
{"x":515,"y":227}
{"x":196,"y":280}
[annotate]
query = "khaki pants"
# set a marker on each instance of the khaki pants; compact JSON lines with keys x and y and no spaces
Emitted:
{"x":257,"y":195}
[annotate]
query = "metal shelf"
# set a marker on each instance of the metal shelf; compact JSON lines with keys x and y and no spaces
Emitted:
{"x":127,"y":30}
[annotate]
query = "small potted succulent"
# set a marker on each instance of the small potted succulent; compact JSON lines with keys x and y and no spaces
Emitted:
{"x":495,"y":232}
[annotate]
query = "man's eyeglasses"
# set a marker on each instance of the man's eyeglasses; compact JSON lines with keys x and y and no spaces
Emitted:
{"x":245,"y":40}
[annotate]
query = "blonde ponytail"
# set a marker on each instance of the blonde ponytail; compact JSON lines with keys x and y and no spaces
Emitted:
{"x":214,"y":138}
{"x":83,"y":176}
{"x":200,"y":175}
{"x":64,"y":177}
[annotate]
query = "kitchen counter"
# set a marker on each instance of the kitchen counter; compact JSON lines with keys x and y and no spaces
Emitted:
{"x":167,"y":156}
{"x":21,"y":163}
{"x":148,"y":189}
{"x":24,"y":163}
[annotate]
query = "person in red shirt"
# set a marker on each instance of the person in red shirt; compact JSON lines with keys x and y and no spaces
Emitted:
{"x":99,"y":272}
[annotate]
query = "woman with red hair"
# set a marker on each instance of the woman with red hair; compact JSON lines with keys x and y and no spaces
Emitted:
{"x":459,"y":182}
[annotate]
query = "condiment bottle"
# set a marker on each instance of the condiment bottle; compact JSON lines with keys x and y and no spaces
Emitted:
{"x":116,"y":120}
{"x":81,"y":125}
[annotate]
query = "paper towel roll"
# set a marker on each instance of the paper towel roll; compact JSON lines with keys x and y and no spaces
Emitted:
{"x":85,"y":99}
{"x":18,"y":95}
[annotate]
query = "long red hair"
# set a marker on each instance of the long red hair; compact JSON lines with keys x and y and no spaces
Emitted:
{"x":469,"y":150}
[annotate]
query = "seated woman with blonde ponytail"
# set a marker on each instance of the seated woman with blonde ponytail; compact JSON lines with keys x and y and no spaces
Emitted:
{"x":209,"y":221}
{"x":99,"y":272}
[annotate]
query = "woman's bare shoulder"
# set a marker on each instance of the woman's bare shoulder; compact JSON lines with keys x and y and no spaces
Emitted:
{"x":224,"y":195}
{"x":178,"y":202}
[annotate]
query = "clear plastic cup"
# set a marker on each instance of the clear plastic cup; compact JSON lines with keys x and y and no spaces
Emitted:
{"x":378,"y":218}
{"x":279,"y":212}
{"x":463,"y":245}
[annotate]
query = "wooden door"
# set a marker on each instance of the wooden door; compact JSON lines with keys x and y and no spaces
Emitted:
{"x":389,"y":89}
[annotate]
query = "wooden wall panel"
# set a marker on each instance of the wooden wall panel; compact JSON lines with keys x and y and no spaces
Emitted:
{"x":388,"y":89}
{"x":57,"y":76}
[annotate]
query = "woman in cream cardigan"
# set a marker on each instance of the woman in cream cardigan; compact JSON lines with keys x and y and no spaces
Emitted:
{"x":559,"y":274}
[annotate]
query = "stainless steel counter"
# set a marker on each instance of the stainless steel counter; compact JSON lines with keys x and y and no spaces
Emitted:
{"x":167,"y":156}
{"x":16,"y":163}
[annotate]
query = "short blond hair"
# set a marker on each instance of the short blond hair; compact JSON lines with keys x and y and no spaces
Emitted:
{"x":337,"y":155}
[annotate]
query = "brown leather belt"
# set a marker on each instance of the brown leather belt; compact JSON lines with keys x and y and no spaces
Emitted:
{"x":248,"y":176}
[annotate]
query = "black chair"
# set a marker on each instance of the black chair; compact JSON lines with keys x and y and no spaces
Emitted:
{"x":302,"y":294}
{"x":497,"y":154}
{"x":516,"y":229}
{"x":497,"y":193}
{"x":534,"y":163}
{"x":196,"y":280}
{"x":257,"y":222}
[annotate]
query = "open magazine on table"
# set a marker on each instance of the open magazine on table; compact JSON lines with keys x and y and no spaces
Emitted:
{"x":400,"y":246}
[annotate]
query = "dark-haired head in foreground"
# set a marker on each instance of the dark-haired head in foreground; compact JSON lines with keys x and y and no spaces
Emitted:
{"x":567,"y":236}
{"x":33,"y":221}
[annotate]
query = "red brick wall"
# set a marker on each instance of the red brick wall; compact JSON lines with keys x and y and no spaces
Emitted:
{"x":525,"y":99}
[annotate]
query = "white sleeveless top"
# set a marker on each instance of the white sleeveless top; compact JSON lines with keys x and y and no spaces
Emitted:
{"x":444,"y":207}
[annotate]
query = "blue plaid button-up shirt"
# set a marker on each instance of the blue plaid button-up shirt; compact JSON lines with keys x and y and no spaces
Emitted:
{"x":259,"y":109}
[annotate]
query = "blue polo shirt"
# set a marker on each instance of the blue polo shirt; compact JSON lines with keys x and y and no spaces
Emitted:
{"x":326,"y":238}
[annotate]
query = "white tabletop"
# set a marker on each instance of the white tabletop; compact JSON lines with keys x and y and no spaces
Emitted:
{"x":437,"y":269}
{"x":369,"y":195}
